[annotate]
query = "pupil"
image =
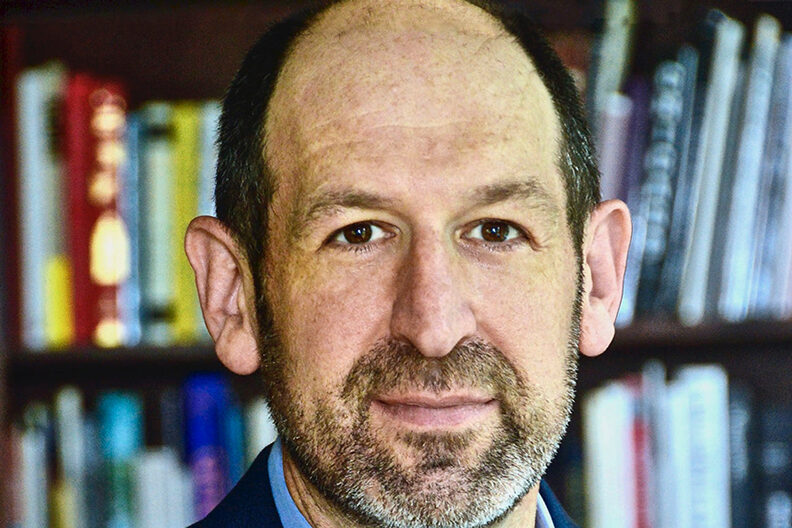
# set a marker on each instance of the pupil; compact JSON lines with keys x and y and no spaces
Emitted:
{"x":494,"y":231}
{"x":358,"y":233}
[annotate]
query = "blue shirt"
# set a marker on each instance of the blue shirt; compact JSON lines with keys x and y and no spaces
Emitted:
{"x":291,"y":517}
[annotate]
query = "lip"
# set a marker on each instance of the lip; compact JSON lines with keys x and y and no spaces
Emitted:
{"x":433,"y":411}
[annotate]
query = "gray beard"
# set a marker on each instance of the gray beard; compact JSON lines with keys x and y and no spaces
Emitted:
{"x":337,"y":450}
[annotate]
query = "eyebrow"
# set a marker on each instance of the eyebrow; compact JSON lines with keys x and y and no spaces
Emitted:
{"x":327,"y":203}
{"x":525,"y":189}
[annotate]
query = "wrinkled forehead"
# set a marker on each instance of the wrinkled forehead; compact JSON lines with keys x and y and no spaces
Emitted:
{"x":407,"y":63}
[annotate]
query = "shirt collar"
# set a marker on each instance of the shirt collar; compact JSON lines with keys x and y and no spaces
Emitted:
{"x":291,"y":516}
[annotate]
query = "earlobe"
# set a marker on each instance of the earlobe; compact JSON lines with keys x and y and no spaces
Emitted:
{"x":225,"y":290}
{"x":605,"y":257}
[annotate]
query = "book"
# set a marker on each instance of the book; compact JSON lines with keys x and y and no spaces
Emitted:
{"x":657,"y":191}
{"x":156,"y":223}
{"x":205,"y":403}
{"x":774,"y":503}
{"x":35,"y":466}
{"x":610,"y":57}
{"x":705,"y":187}
{"x":120,"y":422}
{"x":741,"y":467}
{"x":612,"y":141}
{"x":47,"y":320}
{"x":609,"y":459}
{"x":260,"y":429}
{"x":686,"y":140}
{"x":129,"y":291}
{"x":159,"y":490}
{"x":186,"y":144}
{"x":708,"y":464}
{"x":773,"y":246}
{"x":70,"y":445}
{"x":99,"y":244}
{"x":739,"y":254}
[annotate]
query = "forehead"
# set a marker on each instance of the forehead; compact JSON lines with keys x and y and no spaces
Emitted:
{"x":429,"y":78}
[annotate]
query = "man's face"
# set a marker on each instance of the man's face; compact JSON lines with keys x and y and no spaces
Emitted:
{"x":421,"y":275}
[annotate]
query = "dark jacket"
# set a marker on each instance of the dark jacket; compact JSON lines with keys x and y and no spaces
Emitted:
{"x":251,"y":505}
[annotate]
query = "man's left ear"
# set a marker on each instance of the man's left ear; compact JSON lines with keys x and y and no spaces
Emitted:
{"x":605,"y":257}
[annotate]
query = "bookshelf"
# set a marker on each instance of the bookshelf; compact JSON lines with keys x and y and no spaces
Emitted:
{"x":179,"y":49}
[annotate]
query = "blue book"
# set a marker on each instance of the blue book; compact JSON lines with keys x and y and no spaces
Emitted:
{"x":129,"y":207}
{"x":205,"y":407}
{"x":120,"y":418}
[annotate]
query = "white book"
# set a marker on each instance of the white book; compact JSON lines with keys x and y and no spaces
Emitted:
{"x":612,"y":140}
{"x":660,"y":478}
{"x":41,"y":199}
{"x":611,"y":54}
{"x":609,"y":457}
{"x":708,"y":401}
{"x":680,"y":513}
{"x":740,"y":252}
{"x":156,"y":219}
{"x":259,"y":428}
{"x":707,"y":173}
{"x":159,"y":494}
{"x":70,"y":448}
{"x":778,"y":300}
{"x":35,"y":480}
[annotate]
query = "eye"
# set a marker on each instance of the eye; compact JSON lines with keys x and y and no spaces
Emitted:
{"x":494,"y":231}
{"x":360,"y":233}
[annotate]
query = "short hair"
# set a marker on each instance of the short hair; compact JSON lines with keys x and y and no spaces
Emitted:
{"x":245,"y":184}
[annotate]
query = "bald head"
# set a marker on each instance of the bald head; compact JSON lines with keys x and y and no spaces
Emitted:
{"x":420,"y":64}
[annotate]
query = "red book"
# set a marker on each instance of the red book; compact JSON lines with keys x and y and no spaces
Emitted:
{"x":10,"y":66}
{"x":94,"y":121}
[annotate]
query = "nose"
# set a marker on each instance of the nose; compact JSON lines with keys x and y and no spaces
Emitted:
{"x":431,"y":309}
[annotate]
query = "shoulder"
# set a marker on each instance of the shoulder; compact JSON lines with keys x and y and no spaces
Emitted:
{"x":557,"y":513}
{"x":249,"y":504}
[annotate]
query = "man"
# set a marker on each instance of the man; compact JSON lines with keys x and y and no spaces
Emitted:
{"x":410,"y":249}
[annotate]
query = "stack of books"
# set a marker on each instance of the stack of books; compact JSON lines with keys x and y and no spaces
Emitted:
{"x":104,"y":198}
{"x":129,"y":459}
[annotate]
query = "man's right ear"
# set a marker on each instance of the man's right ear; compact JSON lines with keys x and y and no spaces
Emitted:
{"x":225,"y":290}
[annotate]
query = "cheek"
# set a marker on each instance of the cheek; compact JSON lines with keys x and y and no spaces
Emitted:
{"x":527,"y":314}
{"x":328,"y":320}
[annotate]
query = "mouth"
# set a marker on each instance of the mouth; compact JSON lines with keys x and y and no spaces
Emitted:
{"x":429,"y":411}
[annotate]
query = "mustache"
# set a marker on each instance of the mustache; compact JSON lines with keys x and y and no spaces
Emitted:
{"x":394,"y":365}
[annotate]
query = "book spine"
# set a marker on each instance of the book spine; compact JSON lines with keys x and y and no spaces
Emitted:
{"x":739,"y":251}
{"x":708,"y":399}
{"x":35,"y":476}
{"x":611,"y":56}
{"x":100,"y":246}
{"x":70,"y":446}
{"x":260,"y":429}
{"x":186,"y":159}
{"x":657,"y":190}
{"x":609,"y":464}
{"x":129,"y":294}
{"x":741,"y":430}
{"x":205,"y":401}
{"x":156,"y":218}
{"x":775,"y":467}
{"x":670,"y":275}
{"x":120,"y":417}
{"x":46,"y":301}
{"x":706,"y":182}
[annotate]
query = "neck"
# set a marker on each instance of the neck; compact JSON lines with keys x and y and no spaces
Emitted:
{"x":321,"y":513}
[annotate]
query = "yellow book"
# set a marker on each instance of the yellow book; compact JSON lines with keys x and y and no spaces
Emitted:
{"x":186,"y":164}
{"x":58,"y":305}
